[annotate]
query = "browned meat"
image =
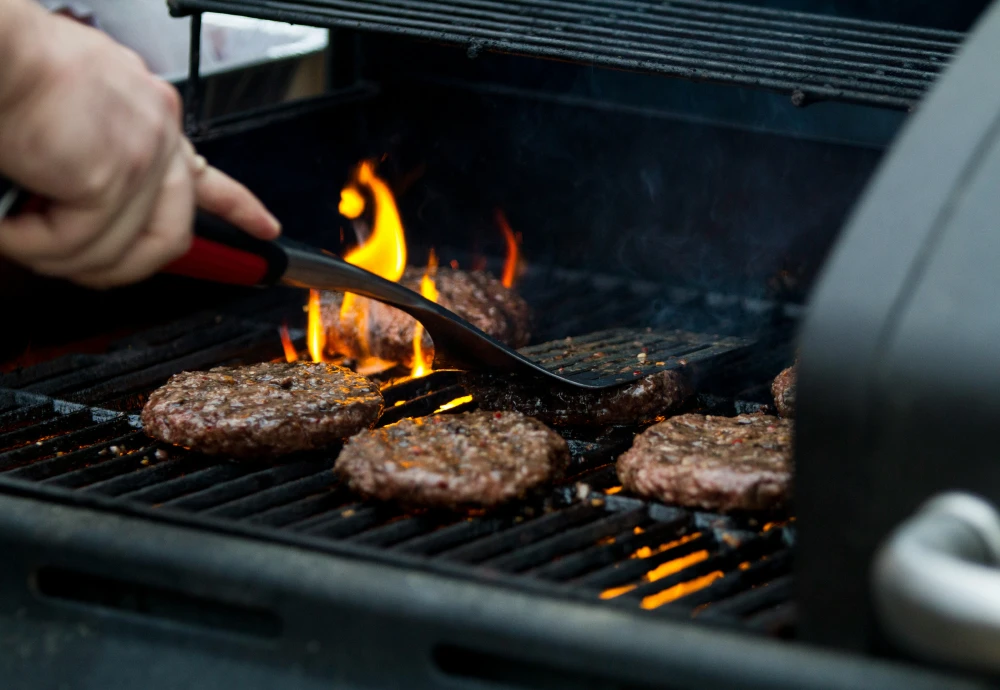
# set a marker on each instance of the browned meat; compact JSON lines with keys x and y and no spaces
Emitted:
{"x":783,"y":390}
{"x":634,"y":403}
{"x":477,"y":297}
{"x":717,"y":463}
{"x":262,"y":410}
{"x":474,"y":459}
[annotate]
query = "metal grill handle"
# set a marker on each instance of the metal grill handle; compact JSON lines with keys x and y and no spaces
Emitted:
{"x":936,"y":582}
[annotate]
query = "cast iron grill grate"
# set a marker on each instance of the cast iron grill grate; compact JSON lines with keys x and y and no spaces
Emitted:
{"x":809,"y":56}
{"x":71,"y":434}
{"x":581,"y":541}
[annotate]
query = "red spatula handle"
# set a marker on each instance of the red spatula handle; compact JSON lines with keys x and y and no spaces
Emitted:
{"x":223,"y":254}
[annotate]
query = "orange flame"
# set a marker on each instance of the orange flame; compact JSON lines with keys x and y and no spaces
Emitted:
{"x":315,"y":332}
{"x":429,"y":290}
{"x":383,"y":253}
{"x":452,"y":404}
{"x":664,"y":569}
{"x":511,"y":264}
{"x":352,"y":204}
{"x":680,"y":590}
{"x":291,"y":354}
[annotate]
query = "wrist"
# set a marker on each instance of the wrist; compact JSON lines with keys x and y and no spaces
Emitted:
{"x":23,"y":48}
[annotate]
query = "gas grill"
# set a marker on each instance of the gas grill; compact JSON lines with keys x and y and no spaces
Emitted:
{"x":681,"y":173}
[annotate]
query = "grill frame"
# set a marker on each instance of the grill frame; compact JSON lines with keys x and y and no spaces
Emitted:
{"x":349,"y":623}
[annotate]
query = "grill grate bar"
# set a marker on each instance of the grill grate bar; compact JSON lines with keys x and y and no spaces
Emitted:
{"x":160,"y":481}
{"x":725,"y":560}
{"x":65,"y":443}
{"x":174,"y":488}
{"x":279,"y":495}
{"x":20,"y":417}
{"x":628,"y":571}
{"x":567,"y":541}
{"x":318,"y":503}
{"x":399,"y":530}
{"x":775,"y":621}
{"x":153,"y":375}
{"x":114,"y":467}
{"x":866,"y":62}
{"x":422,"y":406}
{"x":349,"y":520}
{"x":452,"y":536}
{"x":600,"y":556}
{"x":524,"y":534}
{"x":137,"y":360}
{"x":766,"y":593}
{"x":68,"y":462}
{"x":739,"y":580}
{"x":241,"y":486}
{"x":50,"y":424}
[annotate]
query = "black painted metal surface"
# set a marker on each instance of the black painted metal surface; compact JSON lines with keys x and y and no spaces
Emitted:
{"x":811,"y":57}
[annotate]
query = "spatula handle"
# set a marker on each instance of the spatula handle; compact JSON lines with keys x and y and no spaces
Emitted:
{"x":221,"y":253}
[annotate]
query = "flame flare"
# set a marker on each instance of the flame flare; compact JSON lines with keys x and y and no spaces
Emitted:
{"x":316,"y":333}
{"x":291,"y":354}
{"x":512,"y":262}
{"x":352,"y":203}
{"x":384,"y":251}
{"x":428,"y":289}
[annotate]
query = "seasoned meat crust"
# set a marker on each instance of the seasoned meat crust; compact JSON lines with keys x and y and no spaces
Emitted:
{"x":474,"y":459}
{"x":783,"y":390}
{"x":716,"y":463}
{"x":634,"y":403}
{"x":262,"y":410}
{"x":476,"y":296}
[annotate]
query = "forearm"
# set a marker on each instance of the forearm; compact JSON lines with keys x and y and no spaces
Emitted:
{"x":22,"y":47}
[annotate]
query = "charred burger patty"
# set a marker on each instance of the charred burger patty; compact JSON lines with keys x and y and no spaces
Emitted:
{"x":474,"y":459}
{"x":262,"y":410}
{"x":717,"y":463}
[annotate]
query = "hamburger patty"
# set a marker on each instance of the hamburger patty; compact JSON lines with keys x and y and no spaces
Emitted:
{"x":783,"y":390}
{"x":262,"y":410}
{"x":476,"y":296}
{"x":634,"y":403}
{"x":474,"y":459}
{"x":717,"y":463}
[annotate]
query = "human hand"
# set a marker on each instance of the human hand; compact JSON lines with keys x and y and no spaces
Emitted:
{"x":84,"y":125}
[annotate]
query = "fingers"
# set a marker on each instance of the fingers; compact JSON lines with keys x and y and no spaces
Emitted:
{"x":167,"y":236}
{"x":119,"y":233}
{"x":152,"y":228}
{"x":221,"y":195}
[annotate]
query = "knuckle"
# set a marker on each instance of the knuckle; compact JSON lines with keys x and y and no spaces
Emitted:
{"x":130,"y":57}
{"x":139,"y":157}
{"x":95,"y":181}
{"x":171,"y":100}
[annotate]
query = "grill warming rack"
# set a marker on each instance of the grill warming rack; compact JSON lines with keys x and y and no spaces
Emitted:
{"x":70,"y":433}
{"x":810,"y":57}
